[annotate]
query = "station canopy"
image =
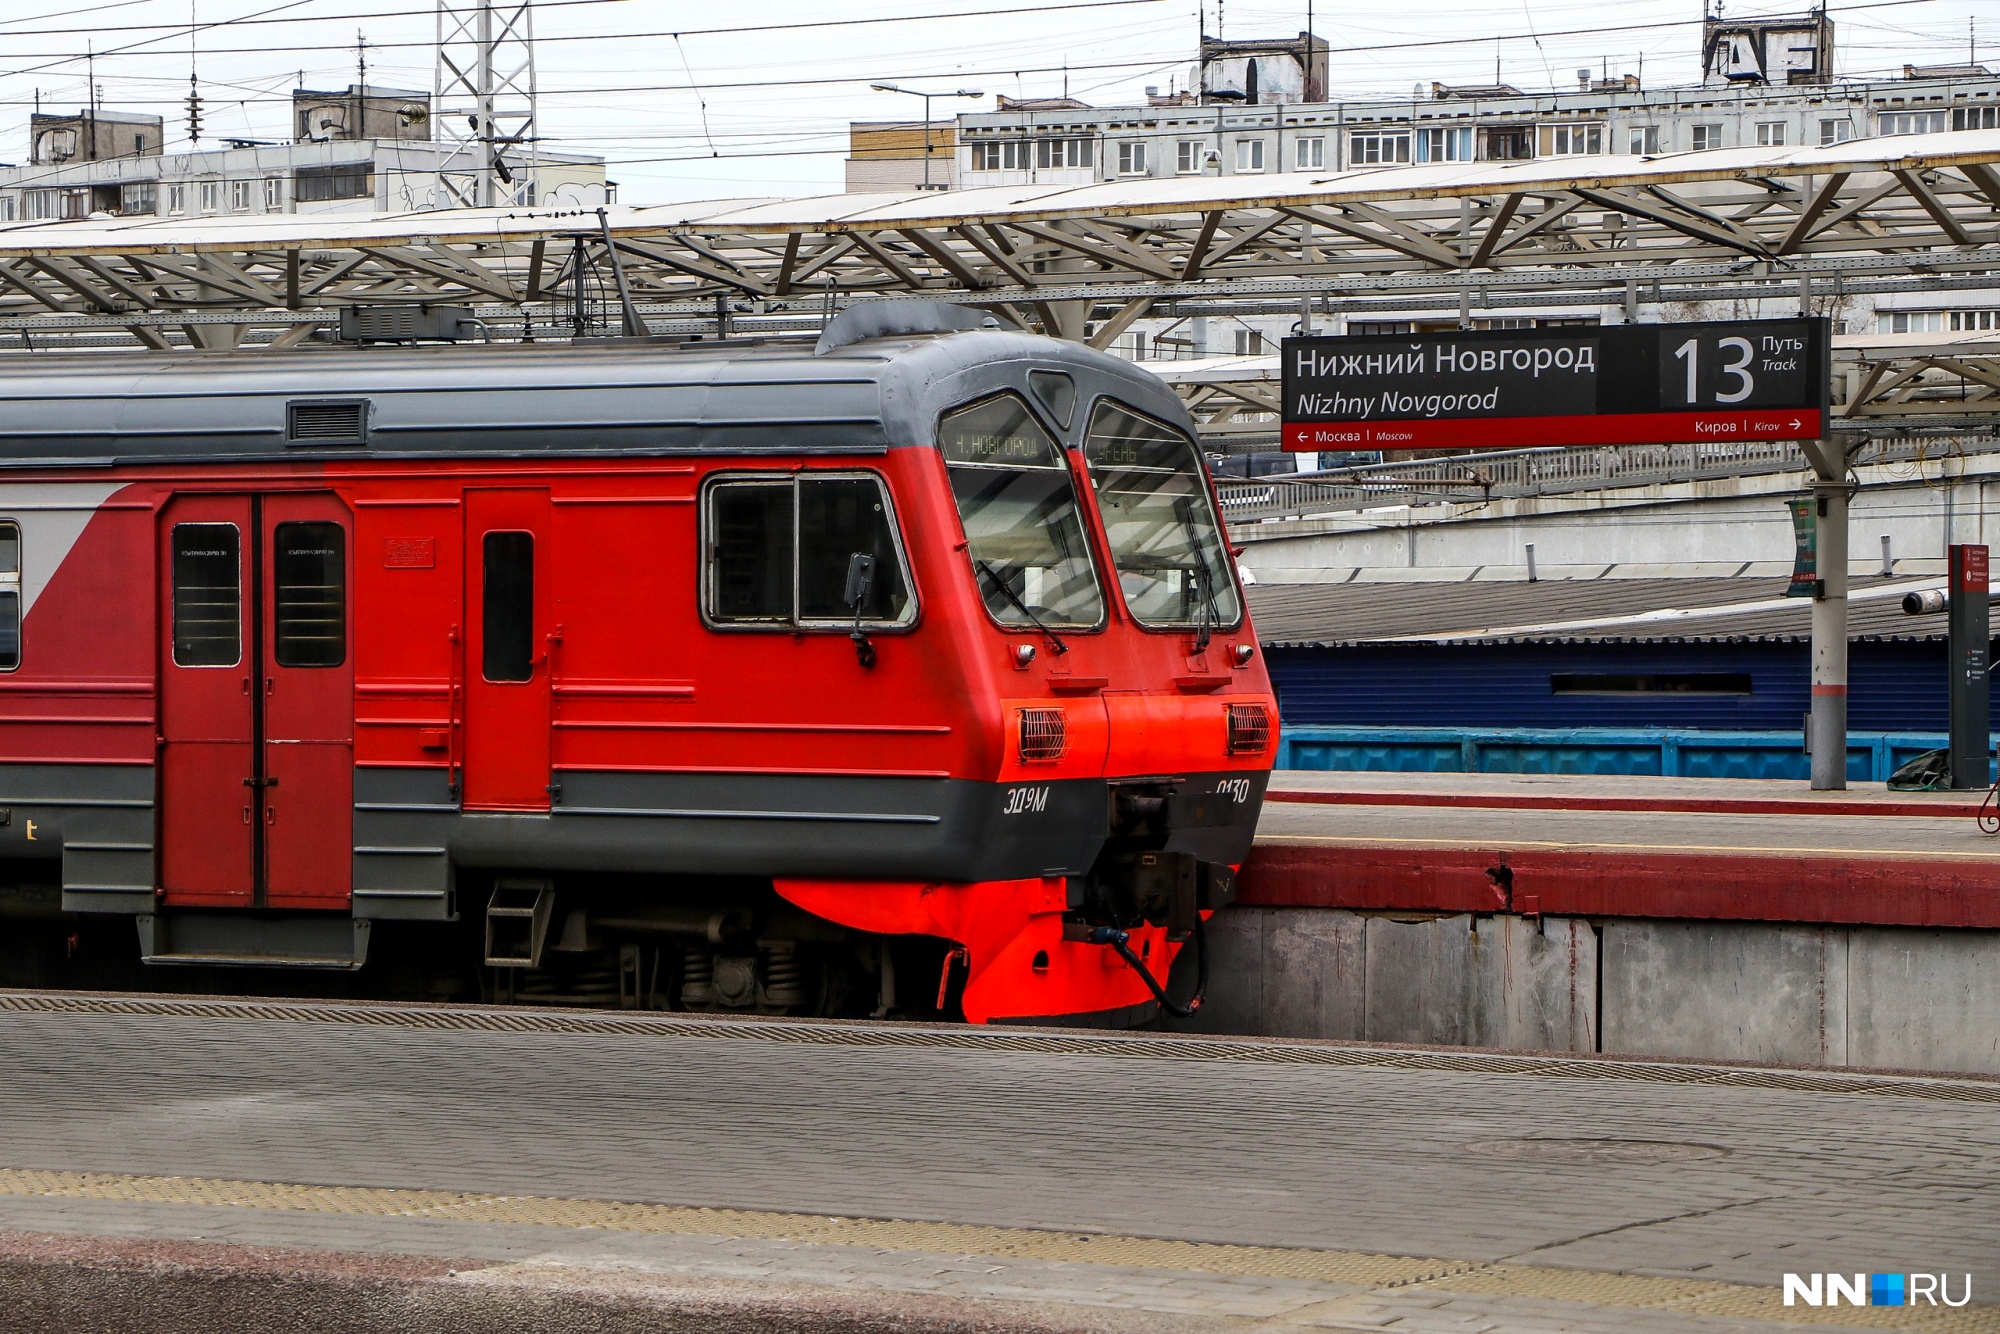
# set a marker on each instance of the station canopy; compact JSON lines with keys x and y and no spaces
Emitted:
{"x":1904,"y":213}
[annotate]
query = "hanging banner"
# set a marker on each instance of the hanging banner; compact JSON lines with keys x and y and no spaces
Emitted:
{"x":1805,"y":554}
{"x":1626,"y":384}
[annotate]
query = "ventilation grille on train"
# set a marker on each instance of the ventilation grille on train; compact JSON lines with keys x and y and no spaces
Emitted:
{"x":1044,"y":734}
{"x":1249,"y":729}
{"x":326,"y":421}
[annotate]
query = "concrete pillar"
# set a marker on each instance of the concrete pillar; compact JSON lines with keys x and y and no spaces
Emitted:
{"x":1829,"y":641}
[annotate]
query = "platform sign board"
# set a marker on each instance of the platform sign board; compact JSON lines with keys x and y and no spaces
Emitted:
{"x":1969,"y":639}
{"x":1627,"y":384}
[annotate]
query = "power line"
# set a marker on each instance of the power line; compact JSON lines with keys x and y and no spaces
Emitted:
{"x":1372,"y":48}
{"x":182,"y":28}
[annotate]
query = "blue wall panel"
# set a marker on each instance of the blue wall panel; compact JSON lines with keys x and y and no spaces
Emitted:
{"x":1892,"y":687}
{"x":1685,"y":753}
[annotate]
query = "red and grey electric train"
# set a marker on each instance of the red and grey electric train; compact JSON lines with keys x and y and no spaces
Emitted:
{"x":740,"y":670}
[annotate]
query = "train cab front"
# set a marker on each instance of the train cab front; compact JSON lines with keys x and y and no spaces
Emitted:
{"x":1128,"y":722}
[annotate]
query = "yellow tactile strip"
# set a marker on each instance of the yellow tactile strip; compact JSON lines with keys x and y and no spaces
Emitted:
{"x":1356,"y":1269}
{"x":1154,"y":1046}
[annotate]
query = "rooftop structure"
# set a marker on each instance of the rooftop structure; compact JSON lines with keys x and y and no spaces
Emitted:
{"x":364,"y":149}
{"x":901,"y":154}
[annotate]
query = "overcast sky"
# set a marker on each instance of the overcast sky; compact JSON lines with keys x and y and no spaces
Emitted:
{"x":723,"y":114}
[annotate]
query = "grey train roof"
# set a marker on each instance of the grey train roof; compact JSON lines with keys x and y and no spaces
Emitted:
{"x":518,"y":400}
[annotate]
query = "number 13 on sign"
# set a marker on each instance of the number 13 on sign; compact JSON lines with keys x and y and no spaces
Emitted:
{"x":1690,"y":352}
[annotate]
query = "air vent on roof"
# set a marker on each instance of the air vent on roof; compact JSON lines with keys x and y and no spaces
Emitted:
{"x":326,"y":421}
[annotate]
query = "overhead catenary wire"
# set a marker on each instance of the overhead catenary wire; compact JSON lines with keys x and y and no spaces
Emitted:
{"x":1368,"y":49}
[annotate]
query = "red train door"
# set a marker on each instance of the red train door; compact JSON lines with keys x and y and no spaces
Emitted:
{"x":308,"y":701}
{"x":510,"y":632}
{"x":208,"y":732}
{"x":256,"y":703}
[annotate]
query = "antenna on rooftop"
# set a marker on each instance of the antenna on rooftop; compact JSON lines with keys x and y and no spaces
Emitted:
{"x":485,"y":102}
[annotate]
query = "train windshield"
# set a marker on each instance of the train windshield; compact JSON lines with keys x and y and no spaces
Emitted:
{"x":1022,"y":526}
{"x":1162,"y":528}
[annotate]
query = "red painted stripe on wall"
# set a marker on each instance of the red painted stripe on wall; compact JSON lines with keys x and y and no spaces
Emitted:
{"x":1882,"y":891}
{"x":1941,"y":808}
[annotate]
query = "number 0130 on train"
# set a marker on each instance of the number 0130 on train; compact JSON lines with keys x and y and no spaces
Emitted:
{"x":905,"y":674}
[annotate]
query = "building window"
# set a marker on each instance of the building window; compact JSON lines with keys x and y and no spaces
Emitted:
{"x":1002,"y":155}
{"x":1249,"y":155}
{"x":1573,"y":140}
{"x":779,"y":552}
{"x":1646,"y":140}
{"x":1132,"y":159}
{"x":313,"y":184}
{"x":1137,"y":346}
{"x":1249,"y":343}
{"x":1913,"y":321}
{"x":1444,"y":145}
{"x":40,"y":205}
{"x":6,"y":208}
{"x":1706,"y":137}
{"x":137,"y":197}
{"x":274,"y":194}
{"x":1510,"y":144}
{"x":1374,"y":147}
{"x":1187,"y":157}
{"x":1310,"y":153}
{"x":211,"y":196}
{"x":1975,"y":118}
{"x":1914,"y":122}
{"x":1835,"y":131}
{"x":1062,"y":154}
{"x":177,"y":199}
{"x":239,"y":195}
{"x":1940,"y":321}
{"x":1770,"y":134}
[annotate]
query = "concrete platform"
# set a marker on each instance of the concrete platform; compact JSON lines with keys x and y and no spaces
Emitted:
{"x":173,"y":1164}
{"x":1685,"y":848}
{"x":1703,"y":919}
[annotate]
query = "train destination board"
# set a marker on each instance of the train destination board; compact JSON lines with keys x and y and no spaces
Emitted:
{"x":1627,"y":384}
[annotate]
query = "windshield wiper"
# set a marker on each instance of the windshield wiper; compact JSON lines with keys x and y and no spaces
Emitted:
{"x":1211,"y":611}
{"x":1006,"y":591}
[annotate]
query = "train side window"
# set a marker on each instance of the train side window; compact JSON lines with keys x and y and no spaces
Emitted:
{"x":208,"y":594}
{"x":508,"y":605}
{"x":750,"y":536}
{"x":840,"y":517}
{"x":778,"y":552}
{"x":309,"y":561}
{"x":10,"y":596}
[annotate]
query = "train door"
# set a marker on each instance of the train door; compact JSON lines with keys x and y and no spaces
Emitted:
{"x":509,"y":640}
{"x":308,"y":702}
{"x":256,"y":703}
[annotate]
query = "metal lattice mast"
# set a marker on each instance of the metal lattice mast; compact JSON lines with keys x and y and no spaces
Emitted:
{"x":485,"y":103}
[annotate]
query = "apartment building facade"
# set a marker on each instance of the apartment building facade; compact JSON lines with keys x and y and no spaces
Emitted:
{"x":364,"y":150}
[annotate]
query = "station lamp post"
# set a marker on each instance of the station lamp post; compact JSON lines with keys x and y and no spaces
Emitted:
{"x":913,"y":92}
